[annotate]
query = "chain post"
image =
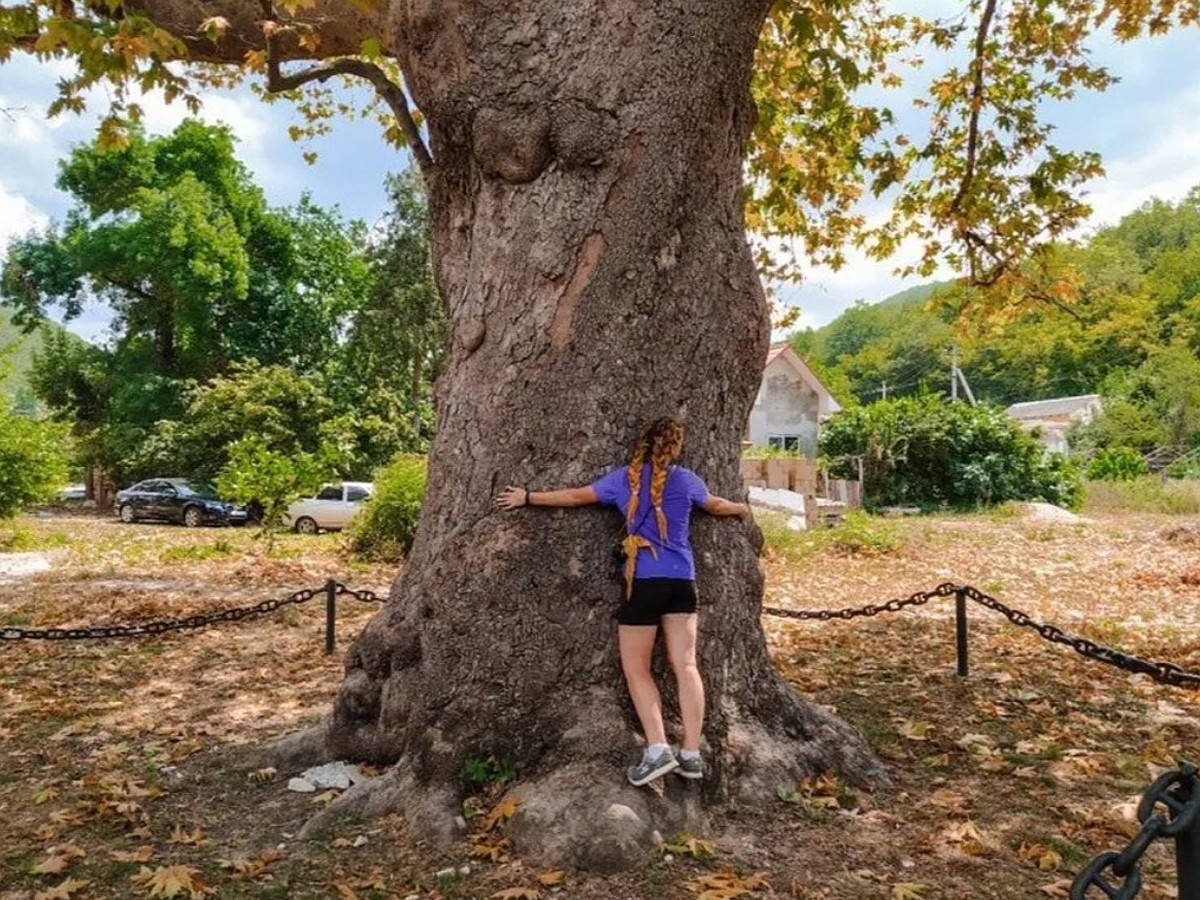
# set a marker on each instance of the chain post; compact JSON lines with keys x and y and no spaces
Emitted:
{"x":330,"y":610}
{"x":960,"y":632}
{"x":1187,"y":842}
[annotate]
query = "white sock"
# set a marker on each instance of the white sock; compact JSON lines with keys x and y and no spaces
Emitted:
{"x":654,"y":751}
{"x":689,"y":754}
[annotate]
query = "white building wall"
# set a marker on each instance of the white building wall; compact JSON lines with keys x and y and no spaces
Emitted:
{"x":786,"y":407}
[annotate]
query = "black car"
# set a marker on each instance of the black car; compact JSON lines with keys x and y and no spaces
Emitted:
{"x":176,"y":500}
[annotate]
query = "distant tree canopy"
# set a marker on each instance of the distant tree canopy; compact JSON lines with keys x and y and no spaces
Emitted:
{"x":220,"y":302}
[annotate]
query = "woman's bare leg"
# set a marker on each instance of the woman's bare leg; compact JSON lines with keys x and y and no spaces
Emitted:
{"x":636,"y":643}
{"x":679,"y":630}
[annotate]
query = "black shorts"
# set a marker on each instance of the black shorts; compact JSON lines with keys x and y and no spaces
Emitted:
{"x":652,"y":598}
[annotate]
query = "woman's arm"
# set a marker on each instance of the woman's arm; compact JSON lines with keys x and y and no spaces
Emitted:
{"x":719,"y":506}
{"x":514,"y":497}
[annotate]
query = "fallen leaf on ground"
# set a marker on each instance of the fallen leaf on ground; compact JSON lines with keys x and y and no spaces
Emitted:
{"x":62,"y":891}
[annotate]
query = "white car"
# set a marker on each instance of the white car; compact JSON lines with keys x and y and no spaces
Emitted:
{"x":332,"y":508}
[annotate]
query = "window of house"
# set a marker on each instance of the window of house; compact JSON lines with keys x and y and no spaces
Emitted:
{"x":787,"y":442}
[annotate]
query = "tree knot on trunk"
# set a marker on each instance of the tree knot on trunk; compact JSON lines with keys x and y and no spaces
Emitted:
{"x":471,"y":334}
{"x":512,"y":144}
{"x":584,"y":135}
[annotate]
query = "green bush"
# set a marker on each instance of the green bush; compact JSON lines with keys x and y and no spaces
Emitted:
{"x":257,"y":474}
{"x":927,"y":452}
{"x":33,"y":460}
{"x":1116,"y":464}
{"x":386,"y":526}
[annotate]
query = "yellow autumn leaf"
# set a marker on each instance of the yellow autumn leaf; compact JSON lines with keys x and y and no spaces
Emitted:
{"x":142,"y":854}
{"x":62,"y":891}
{"x":180,"y":836}
{"x":51,"y":865}
{"x":915,"y":731}
{"x":502,"y":812}
{"x":517,"y":893}
{"x":171,"y":881}
{"x":1049,"y":861}
{"x":1060,"y":888}
{"x":551,"y":878}
{"x":908,"y":890}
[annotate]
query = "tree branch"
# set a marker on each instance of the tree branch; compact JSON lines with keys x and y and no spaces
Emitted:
{"x":977,"y":87}
{"x":392,"y":93}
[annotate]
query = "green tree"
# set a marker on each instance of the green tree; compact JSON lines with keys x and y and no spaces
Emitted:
{"x":33,"y":460}
{"x":1154,"y":405}
{"x":396,"y":337}
{"x":171,"y":234}
{"x":285,"y":411}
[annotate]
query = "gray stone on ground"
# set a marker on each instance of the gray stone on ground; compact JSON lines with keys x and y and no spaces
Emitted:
{"x":1048,"y":512}
{"x":338,"y":776}
{"x":333,"y":775}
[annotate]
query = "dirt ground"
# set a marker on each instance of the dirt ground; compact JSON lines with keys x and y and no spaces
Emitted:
{"x":129,"y":769}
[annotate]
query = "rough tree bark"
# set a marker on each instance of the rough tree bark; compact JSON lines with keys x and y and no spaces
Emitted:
{"x":589,"y":246}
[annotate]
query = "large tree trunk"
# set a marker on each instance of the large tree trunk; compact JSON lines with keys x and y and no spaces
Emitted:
{"x":588,"y":235}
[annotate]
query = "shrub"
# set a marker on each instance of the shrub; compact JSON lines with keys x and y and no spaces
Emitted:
{"x":33,"y":460}
{"x":927,"y":452}
{"x":1116,"y":464}
{"x":257,"y":474}
{"x":386,"y":527}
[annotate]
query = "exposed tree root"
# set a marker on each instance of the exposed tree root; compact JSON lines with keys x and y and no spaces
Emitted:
{"x":576,"y":808}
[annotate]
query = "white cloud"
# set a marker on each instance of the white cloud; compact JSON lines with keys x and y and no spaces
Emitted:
{"x":1166,"y":166}
{"x":17,"y":216}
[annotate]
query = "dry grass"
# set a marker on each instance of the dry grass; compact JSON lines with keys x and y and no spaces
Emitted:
{"x":119,"y":756}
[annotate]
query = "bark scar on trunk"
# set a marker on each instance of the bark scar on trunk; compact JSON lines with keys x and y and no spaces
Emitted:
{"x":587,"y":258}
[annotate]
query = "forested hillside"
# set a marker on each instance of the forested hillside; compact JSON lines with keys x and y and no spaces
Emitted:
{"x":16,"y":360}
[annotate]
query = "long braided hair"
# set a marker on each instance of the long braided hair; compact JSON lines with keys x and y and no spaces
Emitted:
{"x":661,"y":442}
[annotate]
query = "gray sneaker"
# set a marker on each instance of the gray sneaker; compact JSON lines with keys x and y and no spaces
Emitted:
{"x":692,"y":769}
{"x":649,"y":769}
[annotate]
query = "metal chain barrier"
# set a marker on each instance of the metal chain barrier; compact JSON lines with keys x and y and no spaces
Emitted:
{"x":203,"y":620}
{"x":1179,"y":792}
{"x":362,"y":595}
{"x":1162,"y":672}
{"x":871,"y":609}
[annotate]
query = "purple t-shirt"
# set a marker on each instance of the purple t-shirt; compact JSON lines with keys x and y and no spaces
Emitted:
{"x":682,"y":491}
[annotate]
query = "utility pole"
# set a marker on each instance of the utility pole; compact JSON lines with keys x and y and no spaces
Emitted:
{"x":885,"y":389}
{"x":954,"y":371}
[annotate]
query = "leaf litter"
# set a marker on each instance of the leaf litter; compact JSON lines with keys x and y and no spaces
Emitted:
{"x":129,"y":768}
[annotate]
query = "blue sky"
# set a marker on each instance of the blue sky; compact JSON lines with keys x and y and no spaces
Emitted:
{"x":1144,"y":127}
